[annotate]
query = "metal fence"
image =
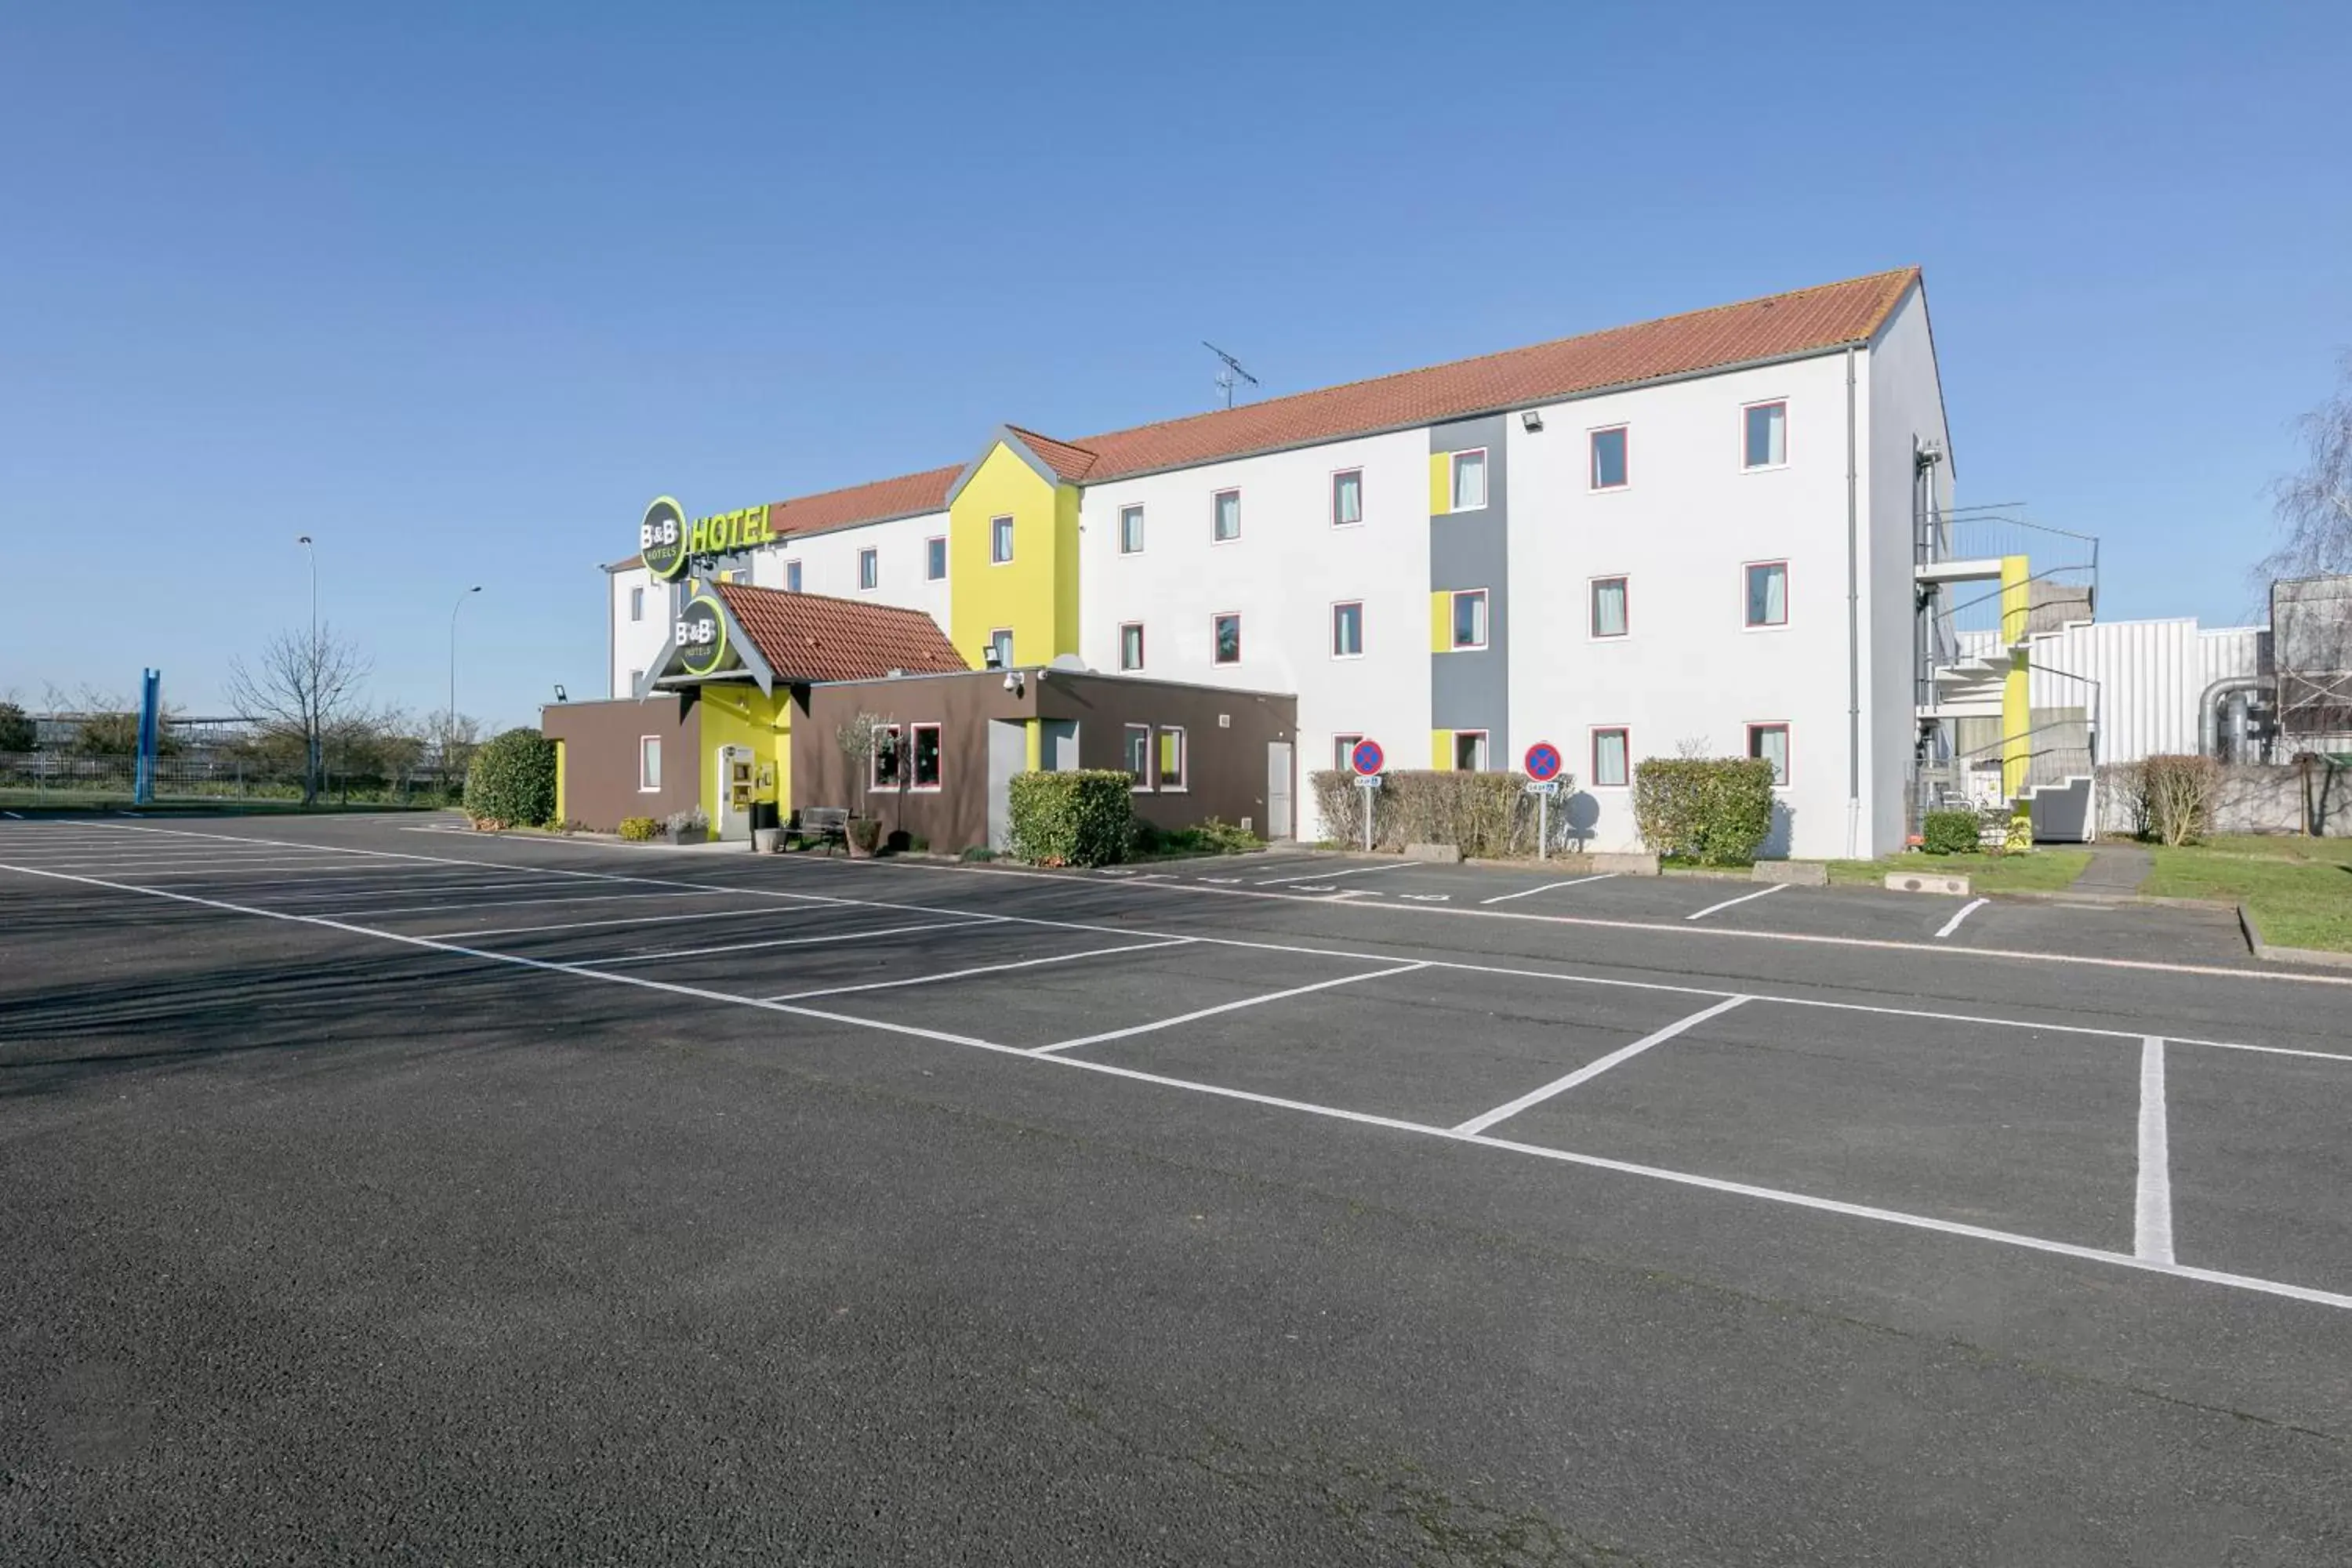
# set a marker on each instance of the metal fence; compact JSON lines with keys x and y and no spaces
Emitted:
{"x":69,"y":777}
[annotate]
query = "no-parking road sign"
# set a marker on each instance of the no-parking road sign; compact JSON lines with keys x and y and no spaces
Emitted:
{"x":1543,"y":762}
{"x":1367,"y":758}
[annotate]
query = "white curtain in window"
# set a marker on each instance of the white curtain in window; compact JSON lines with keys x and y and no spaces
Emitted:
{"x":1609,"y":757}
{"x":1469,"y":481}
{"x":1609,"y":609}
{"x":1772,"y":745}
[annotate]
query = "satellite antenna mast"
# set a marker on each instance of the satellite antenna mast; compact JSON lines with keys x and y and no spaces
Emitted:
{"x":1232,"y":372}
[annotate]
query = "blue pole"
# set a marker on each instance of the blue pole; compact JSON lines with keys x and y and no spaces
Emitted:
{"x":150,"y":727}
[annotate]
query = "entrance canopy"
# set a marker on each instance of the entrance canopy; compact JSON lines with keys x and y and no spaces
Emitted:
{"x":734,"y":632}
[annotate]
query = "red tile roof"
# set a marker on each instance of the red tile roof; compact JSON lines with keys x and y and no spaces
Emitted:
{"x":812,"y":638}
{"x":1804,"y":321}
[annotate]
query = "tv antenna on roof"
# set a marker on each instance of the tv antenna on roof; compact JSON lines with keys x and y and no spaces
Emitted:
{"x":1232,"y":373}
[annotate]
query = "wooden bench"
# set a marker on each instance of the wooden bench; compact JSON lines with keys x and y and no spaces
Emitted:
{"x":825,"y":824}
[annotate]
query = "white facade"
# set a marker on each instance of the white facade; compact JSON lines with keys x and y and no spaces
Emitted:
{"x":829,"y":562}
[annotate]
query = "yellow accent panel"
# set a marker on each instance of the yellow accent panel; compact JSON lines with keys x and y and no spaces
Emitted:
{"x":1033,"y":738}
{"x":1441,"y":621}
{"x":1441,"y":750}
{"x":2016,"y":597}
{"x":1441,"y":483}
{"x":562,"y":816}
{"x":2016,"y":718}
{"x":1035,"y":592}
{"x":737,"y":715}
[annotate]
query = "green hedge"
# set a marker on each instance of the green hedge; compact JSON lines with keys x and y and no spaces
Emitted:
{"x":1490,"y":815}
{"x":640,"y":829}
{"x":1715,"y":810}
{"x":512,"y":780}
{"x":1083,"y":819}
{"x":1950,"y":832}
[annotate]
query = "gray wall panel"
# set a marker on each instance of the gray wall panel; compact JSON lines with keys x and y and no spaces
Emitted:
{"x":1472,"y":549}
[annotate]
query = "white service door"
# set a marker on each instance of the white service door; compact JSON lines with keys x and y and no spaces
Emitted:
{"x":1278,"y":790}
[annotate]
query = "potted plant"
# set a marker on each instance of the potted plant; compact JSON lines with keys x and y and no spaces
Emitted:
{"x":688,"y":826}
{"x":864,"y":834}
{"x":857,"y":737}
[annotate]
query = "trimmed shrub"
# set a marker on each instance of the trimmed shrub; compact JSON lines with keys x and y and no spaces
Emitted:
{"x":975,"y":854}
{"x":2177,"y":796}
{"x":1490,"y":815}
{"x":1949,"y":833}
{"x":512,"y":780}
{"x":1716,"y":811}
{"x":1082,"y":818}
{"x":639,"y":829}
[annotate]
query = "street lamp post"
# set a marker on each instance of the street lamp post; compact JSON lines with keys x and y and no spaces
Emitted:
{"x":311,"y":680}
{"x":449,"y":726}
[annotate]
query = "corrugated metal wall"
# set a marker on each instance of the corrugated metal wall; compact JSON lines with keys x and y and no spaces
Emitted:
{"x":2150,"y":676}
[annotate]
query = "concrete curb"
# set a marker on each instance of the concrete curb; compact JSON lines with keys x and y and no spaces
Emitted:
{"x":1791,"y":873}
{"x":2265,"y":951}
{"x":1926,"y":882}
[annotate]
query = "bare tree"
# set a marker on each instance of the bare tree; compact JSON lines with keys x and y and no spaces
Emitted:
{"x":2315,"y":504}
{"x":306,"y":681}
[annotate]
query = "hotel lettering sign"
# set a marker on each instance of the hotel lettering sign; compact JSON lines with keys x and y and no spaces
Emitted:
{"x":669,"y":543}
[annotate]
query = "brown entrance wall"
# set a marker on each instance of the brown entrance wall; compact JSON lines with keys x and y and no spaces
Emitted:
{"x":1225,"y":736}
{"x":952,"y":817}
{"x":599,"y":757}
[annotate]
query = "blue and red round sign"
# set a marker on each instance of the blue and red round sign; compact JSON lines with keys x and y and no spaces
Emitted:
{"x":1367,"y":758}
{"x":1543,"y":762}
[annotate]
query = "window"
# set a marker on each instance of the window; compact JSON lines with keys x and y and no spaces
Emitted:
{"x":869,"y":568}
{"x":1609,"y":752}
{"x":1470,"y":751}
{"x":1130,"y":645}
{"x":1343,"y":752}
{"x":1000,"y":541}
{"x":1348,"y":630}
{"x":1767,"y":435}
{"x":1000,"y":648}
{"x":1346,"y":498}
{"x":1229,"y":516}
{"x":792,"y":577}
{"x":1470,"y":618}
{"x":636,"y":682}
{"x":1172,"y":759}
{"x":935,"y":560}
{"x":923,"y":740}
{"x":1771,"y":743}
{"x":1608,"y":458}
{"x":885,"y":759}
{"x":637,"y":603}
{"x":1139,"y":755}
{"x":1768,"y":594}
{"x":1609,"y":607}
{"x":1470,"y":480}
{"x":649,"y":763}
{"x":1228,"y":640}
{"x":1131,"y":530}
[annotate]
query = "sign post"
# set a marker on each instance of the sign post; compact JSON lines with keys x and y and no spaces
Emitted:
{"x":1543,"y":773}
{"x":1365,"y":761}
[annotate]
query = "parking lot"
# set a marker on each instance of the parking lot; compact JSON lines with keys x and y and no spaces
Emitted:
{"x":2033,"y":1191}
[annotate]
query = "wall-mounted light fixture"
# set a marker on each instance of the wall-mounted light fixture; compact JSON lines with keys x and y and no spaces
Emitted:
{"x":1530,"y":420}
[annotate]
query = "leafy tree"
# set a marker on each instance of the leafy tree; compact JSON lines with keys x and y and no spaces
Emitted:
{"x":17,"y":732}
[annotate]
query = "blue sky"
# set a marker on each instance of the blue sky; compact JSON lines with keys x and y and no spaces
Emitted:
{"x":455,"y":288}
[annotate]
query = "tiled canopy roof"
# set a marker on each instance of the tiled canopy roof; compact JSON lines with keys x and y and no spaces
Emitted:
{"x":1805,"y":321}
{"x":814,"y":637}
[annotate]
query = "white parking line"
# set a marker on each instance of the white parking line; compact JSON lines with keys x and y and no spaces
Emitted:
{"x":460,"y":906}
{"x":1221,"y":1007}
{"x":1595,"y":1068}
{"x":979,"y":969}
{"x":649,"y":956}
{"x":1547,"y":887}
{"x":2152,"y":1213}
{"x":1949,"y":926}
{"x":1740,"y":899}
{"x":753,"y":912}
{"x":1327,"y":875}
{"x":1593,"y":1162}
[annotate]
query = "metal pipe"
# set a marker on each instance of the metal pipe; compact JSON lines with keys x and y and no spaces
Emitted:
{"x":1853,"y":627}
{"x":2209,"y":710}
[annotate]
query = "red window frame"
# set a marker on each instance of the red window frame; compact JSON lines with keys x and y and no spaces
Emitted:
{"x":1788,"y":748}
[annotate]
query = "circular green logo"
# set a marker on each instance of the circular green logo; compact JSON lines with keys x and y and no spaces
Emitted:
{"x":701,"y":633}
{"x":661,"y":538}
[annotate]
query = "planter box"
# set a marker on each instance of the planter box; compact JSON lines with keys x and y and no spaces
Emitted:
{"x":1626,"y":863}
{"x":1915,"y":882}
{"x":767,"y":840}
{"x":691,"y":836}
{"x":1443,"y":853}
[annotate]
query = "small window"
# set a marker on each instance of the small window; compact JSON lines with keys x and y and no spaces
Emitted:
{"x":792,"y":577}
{"x":1172,"y":759}
{"x":1609,"y":607}
{"x":1609,"y":751}
{"x":1000,"y":648}
{"x":637,"y":603}
{"x":1343,"y":752}
{"x":935,"y":559}
{"x":924,"y":739}
{"x":1469,"y":750}
{"x":649,"y":763}
{"x":1346,"y":498}
{"x":1000,"y":541}
{"x":869,"y":569}
{"x":1348,"y":630}
{"x":1130,"y":645}
{"x":1131,"y":530}
{"x":1768,"y":594}
{"x":1470,"y":618}
{"x":1228,"y":640}
{"x":1139,"y":755}
{"x":636,"y":682}
{"x":1470,"y":480}
{"x":1229,"y":516}
{"x":1770,"y":742}
{"x":1609,"y":472}
{"x":886,"y":770}
{"x":1767,"y":435}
